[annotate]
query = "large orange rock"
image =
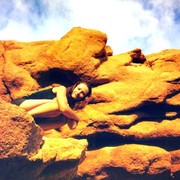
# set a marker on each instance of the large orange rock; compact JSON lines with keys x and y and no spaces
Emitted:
{"x":77,"y":54}
{"x":133,"y":96}
{"x":124,"y":162}
{"x":57,"y":159}
{"x":20,"y":138}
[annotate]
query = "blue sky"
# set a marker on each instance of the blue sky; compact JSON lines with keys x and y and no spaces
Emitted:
{"x":152,"y":25}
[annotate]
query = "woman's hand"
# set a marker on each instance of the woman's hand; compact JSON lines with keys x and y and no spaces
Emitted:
{"x":72,"y":123}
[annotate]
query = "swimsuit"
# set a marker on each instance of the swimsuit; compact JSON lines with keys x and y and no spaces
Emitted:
{"x":44,"y":94}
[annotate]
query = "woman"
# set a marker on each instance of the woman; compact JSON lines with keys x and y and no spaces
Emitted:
{"x":53,"y":102}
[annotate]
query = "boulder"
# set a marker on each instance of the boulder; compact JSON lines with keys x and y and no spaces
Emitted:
{"x":20,"y":139}
{"x":57,"y":159}
{"x":124,"y":162}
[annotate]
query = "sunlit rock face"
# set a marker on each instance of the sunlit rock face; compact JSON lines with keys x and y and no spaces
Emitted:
{"x":131,"y":123}
{"x":124,"y":162}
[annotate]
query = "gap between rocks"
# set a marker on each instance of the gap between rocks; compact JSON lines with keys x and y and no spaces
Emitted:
{"x":106,"y":139}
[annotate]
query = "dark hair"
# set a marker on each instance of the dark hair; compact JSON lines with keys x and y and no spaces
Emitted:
{"x":80,"y":103}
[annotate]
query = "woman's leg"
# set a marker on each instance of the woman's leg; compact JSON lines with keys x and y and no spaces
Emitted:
{"x":57,"y":124}
{"x":48,"y":109}
{"x":33,"y":103}
{"x":52,"y":122}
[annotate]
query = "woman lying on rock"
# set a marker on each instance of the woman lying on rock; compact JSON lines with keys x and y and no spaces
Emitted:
{"x":51,"y":103}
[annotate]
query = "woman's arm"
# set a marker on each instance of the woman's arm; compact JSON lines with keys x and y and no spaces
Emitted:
{"x":63,"y":103}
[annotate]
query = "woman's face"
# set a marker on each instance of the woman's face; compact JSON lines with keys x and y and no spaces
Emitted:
{"x":80,"y":91}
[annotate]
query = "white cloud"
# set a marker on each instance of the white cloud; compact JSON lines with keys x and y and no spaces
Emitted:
{"x":150,"y":25}
{"x":123,"y":22}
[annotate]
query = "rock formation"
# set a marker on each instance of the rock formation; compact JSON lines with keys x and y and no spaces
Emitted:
{"x":131,"y":126}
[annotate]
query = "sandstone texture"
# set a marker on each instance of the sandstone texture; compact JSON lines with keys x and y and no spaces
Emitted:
{"x":115,"y":162}
{"x":130,"y":128}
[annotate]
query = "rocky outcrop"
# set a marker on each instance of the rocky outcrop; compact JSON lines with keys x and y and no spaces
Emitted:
{"x":131,"y":123}
{"x":25,"y":154}
{"x":57,"y":159}
{"x":20,"y":139}
{"x":29,"y":66}
{"x":124,"y":162}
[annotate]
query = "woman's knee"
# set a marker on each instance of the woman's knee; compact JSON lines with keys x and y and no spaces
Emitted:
{"x":54,"y":104}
